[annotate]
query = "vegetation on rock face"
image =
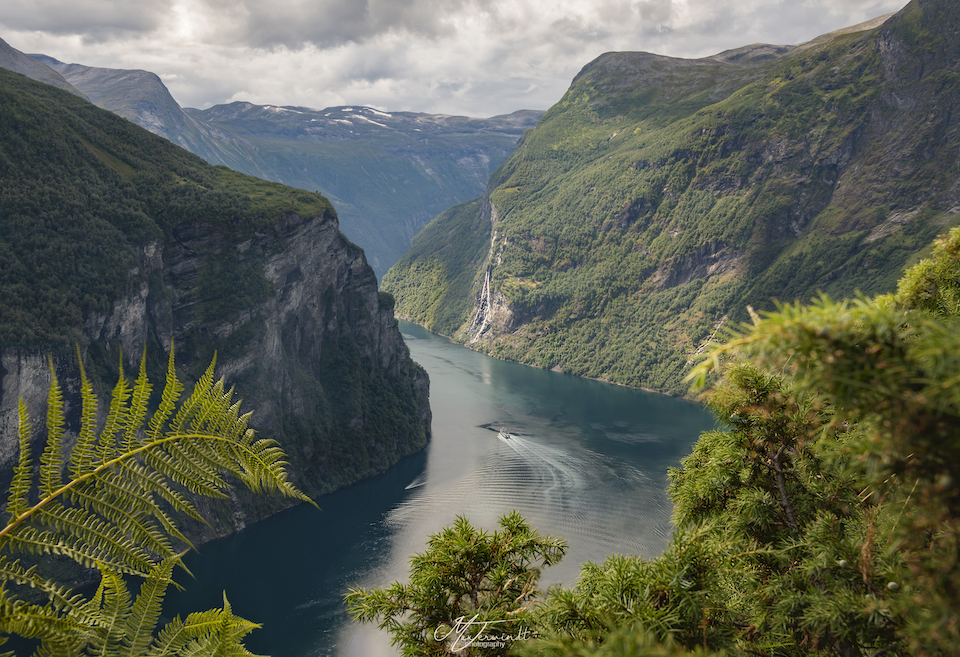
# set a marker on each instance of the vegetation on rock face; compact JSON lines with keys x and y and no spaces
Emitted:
{"x":823,"y":520}
{"x":81,"y":190}
{"x":659,"y":197}
{"x":97,"y":213}
{"x":435,"y":277}
{"x":113,"y":502}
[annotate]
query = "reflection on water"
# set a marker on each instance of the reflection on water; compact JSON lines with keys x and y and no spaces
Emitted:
{"x":585,"y":460}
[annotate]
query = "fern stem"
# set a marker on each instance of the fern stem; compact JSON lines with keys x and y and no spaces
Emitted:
{"x":107,"y":465}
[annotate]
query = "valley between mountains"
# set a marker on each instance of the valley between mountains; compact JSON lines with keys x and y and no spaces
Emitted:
{"x":611,"y":237}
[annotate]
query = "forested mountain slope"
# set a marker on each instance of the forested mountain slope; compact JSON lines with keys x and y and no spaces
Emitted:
{"x":388,"y":173}
{"x":113,"y":240}
{"x":660,"y":197}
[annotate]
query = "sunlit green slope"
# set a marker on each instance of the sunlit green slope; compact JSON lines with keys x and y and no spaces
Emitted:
{"x":661,"y":196}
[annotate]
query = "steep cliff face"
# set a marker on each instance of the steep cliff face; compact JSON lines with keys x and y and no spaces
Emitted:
{"x":320,"y":361}
{"x":117,"y":242}
{"x":660,"y":196}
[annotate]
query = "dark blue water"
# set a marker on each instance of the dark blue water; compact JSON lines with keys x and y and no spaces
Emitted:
{"x":585,"y":460}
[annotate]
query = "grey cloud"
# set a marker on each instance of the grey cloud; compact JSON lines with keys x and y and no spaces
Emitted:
{"x":95,"y":20}
{"x":477,"y":57}
{"x":655,"y":12}
{"x":330,"y":23}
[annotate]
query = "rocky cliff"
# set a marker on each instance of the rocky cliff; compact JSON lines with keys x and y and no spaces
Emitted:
{"x":660,"y":197}
{"x":203,"y":261}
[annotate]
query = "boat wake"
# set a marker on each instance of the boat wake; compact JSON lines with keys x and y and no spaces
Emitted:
{"x":565,"y":487}
{"x":416,"y":483}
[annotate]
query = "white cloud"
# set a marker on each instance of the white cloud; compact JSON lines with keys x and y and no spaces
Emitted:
{"x":475,"y":57}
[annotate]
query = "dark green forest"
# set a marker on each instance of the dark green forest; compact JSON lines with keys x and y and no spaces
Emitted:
{"x":82,"y":190}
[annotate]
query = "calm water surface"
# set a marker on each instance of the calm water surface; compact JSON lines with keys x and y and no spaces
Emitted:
{"x":586,"y":461}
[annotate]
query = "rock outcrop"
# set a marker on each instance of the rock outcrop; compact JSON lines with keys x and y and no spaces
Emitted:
{"x":320,"y":361}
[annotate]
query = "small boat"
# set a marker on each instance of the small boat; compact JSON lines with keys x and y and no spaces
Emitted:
{"x":503,"y":435}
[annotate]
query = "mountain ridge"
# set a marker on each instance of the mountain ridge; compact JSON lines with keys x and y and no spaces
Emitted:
{"x":400,"y":171}
{"x":660,"y":197}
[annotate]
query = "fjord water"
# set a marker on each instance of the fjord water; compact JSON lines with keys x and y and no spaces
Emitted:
{"x":585,"y":460}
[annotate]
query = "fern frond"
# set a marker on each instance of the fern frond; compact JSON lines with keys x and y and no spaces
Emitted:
{"x":17,"y":500}
{"x":112,"y":514}
{"x":116,"y":418}
{"x":135,"y":521}
{"x":110,"y":606}
{"x":82,"y":537}
{"x":213,"y":632}
{"x":155,"y":482}
{"x":168,"y":401}
{"x":61,"y":635}
{"x":138,"y":406}
{"x":188,"y":466}
{"x":200,"y":392}
{"x":140,"y":624}
{"x":51,"y":461}
{"x":83,"y":453}
{"x":58,"y":596}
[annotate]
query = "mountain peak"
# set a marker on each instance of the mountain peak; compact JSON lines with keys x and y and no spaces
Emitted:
{"x":18,"y":62}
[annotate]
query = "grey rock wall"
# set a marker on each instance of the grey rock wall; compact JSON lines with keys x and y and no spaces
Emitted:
{"x":319,"y":361}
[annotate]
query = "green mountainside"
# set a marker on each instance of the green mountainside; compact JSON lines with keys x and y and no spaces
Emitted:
{"x":116,"y":243}
{"x":81,"y":191}
{"x":660,"y":197}
{"x":388,"y":173}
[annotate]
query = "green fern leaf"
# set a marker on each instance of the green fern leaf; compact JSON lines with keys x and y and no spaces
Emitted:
{"x":51,"y":461}
{"x":138,"y":406}
{"x":116,"y":418}
{"x":199,"y":394}
{"x":134,"y":521}
{"x":213,"y":632}
{"x":83,"y":453}
{"x":114,"y":513}
{"x":140,"y":624}
{"x":17,"y":501}
{"x":168,"y":401}
{"x":111,"y":606}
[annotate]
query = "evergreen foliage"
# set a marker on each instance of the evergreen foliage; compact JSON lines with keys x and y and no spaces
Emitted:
{"x":824,"y":518}
{"x":111,"y":502}
{"x":470,"y":588}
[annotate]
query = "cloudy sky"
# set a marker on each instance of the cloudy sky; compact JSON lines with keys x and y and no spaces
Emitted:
{"x":472,"y":57}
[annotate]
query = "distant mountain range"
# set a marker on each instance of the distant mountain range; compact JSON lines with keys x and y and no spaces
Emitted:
{"x":387,"y":173}
{"x":660,"y":197}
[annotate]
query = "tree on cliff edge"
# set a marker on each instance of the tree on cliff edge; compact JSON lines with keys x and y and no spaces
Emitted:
{"x":469,"y":593}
